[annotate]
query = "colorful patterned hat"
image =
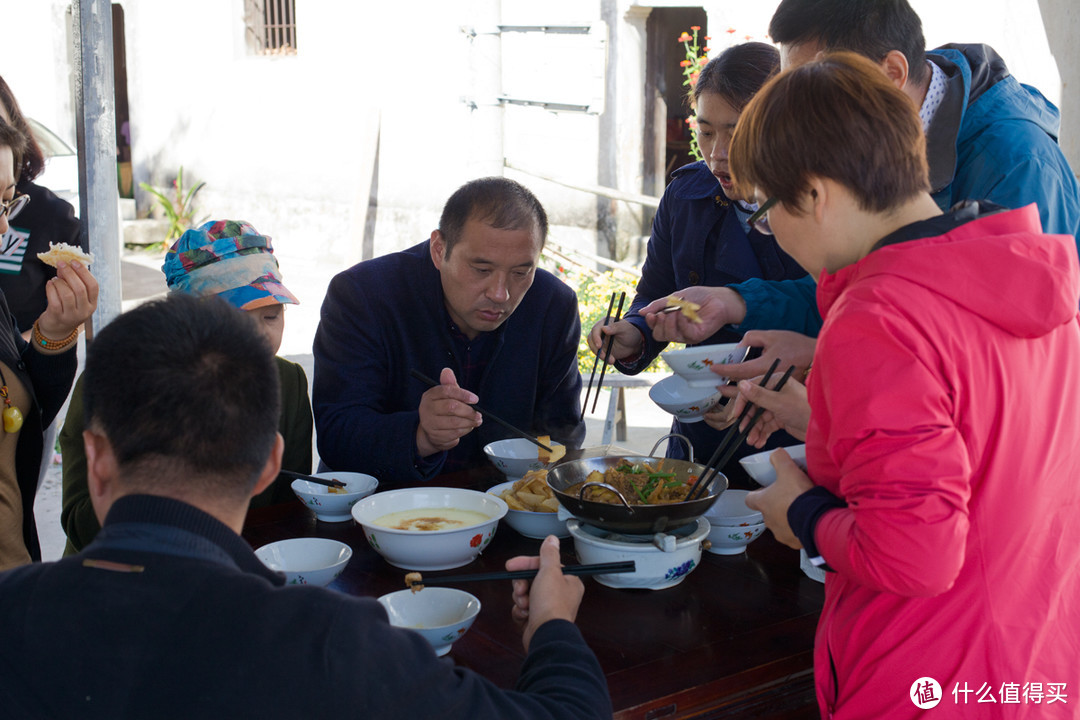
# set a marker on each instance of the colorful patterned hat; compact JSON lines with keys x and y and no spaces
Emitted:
{"x":230,"y":259}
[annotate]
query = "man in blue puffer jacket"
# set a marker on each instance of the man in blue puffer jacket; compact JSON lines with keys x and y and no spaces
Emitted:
{"x":988,"y":136}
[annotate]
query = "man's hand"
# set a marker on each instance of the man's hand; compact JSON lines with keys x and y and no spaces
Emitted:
{"x":445,"y":415}
{"x":551,"y":596}
{"x":719,"y":306}
{"x":628,"y":340}
{"x":773,"y":502}
{"x":787,"y":410}
{"x":791,"y":347}
{"x":72,"y":298}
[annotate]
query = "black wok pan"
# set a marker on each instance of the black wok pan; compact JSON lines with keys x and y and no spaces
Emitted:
{"x":634,"y":519}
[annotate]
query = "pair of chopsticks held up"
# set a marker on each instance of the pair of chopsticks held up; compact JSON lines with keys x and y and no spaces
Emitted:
{"x":605,"y":352}
{"x":735,"y":437}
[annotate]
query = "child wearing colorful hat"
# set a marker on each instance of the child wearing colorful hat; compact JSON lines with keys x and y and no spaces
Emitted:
{"x":228,"y":259}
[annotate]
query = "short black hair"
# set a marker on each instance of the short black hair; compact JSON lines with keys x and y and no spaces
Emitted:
{"x":871,"y":28}
{"x":186,"y":390}
{"x":738,"y":72}
{"x":500,"y":202}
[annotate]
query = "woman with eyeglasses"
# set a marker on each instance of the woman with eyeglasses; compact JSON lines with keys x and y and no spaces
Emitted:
{"x":942,"y":488}
{"x":39,"y":218}
{"x":700,"y":235}
{"x":35,"y":377}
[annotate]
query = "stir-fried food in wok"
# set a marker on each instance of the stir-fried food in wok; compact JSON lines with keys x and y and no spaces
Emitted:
{"x":640,"y":484}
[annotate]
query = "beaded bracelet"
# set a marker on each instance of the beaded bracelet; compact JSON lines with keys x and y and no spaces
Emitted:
{"x":47,"y":344}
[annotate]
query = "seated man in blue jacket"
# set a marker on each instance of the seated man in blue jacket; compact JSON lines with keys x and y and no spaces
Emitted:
{"x":988,"y":137}
{"x":168,"y":613}
{"x":469,"y":307}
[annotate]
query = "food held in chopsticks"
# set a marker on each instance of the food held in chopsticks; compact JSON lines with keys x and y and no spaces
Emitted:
{"x":686,"y":307}
{"x":62,"y":252}
{"x":557,"y":451}
{"x":531,"y":494}
{"x":414,"y":581}
{"x":640,"y":484}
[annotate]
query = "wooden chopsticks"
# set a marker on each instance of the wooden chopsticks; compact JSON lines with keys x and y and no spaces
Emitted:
{"x":517,"y":431}
{"x":727,"y":448}
{"x":328,"y":482}
{"x":594,"y":569}
{"x":607,"y":352}
{"x":607,"y":319}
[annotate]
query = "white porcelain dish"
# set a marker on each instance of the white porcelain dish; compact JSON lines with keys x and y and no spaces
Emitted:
{"x":733,"y":539}
{"x":334,"y":507}
{"x":662,"y":560}
{"x":531,"y":524}
{"x":306,"y":561}
{"x":440,"y":614}
{"x":687,"y":403}
{"x":515,"y":456}
{"x":731,"y":509}
{"x":434,"y":549}
{"x":759,"y":467}
{"x":695,"y":364}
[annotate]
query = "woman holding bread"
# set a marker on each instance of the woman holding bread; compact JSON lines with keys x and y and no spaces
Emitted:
{"x":35,"y":377}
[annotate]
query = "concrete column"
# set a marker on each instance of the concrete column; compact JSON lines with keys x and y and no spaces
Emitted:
{"x":1062,"y":21}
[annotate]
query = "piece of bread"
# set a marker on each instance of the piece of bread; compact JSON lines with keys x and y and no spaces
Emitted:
{"x":686,"y":307}
{"x":66,"y":253}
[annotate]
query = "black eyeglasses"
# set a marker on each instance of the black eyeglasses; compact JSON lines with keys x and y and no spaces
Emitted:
{"x":760,"y":219}
{"x":14,"y":206}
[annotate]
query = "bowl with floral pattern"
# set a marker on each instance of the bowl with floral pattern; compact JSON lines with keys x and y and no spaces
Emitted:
{"x":440,"y":614}
{"x":429,"y":528}
{"x":687,"y":403}
{"x":696,"y":364}
{"x":306,"y":561}
{"x":333,"y":504}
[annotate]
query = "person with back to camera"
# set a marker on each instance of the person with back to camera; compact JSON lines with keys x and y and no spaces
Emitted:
{"x":942,"y":489}
{"x":700,"y":235}
{"x":988,"y":138}
{"x":468,"y":308}
{"x":174,"y":615}
{"x":231,"y":260}
{"x":35,"y":377}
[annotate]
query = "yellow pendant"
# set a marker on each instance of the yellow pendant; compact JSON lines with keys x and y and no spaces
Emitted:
{"x":13,"y":420}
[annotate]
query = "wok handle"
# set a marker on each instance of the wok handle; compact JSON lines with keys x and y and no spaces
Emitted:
{"x":581,"y":493}
{"x":686,"y":440}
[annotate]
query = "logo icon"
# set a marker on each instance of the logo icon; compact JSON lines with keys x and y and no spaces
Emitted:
{"x":925,"y":693}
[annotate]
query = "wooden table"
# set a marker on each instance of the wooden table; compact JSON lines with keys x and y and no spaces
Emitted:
{"x":733,"y":640}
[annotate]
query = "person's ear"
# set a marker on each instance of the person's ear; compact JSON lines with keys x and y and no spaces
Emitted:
{"x":438,"y":248}
{"x":101,"y":472}
{"x":272,"y":468}
{"x":818,"y":198}
{"x":895,"y":67}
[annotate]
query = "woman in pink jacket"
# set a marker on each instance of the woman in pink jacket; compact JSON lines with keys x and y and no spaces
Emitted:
{"x":943,"y":494}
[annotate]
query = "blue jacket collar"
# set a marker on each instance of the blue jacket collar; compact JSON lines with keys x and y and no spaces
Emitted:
{"x":698,"y":183}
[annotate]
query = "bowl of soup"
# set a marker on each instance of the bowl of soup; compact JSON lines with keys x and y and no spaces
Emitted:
{"x":429,"y":528}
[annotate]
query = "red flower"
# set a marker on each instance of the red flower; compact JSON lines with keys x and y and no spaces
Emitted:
{"x":477,"y":539}
{"x":695,"y":28}
{"x":684,"y":63}
{"x":731,"y":31}
{"x":693,"y":78}
{"x":704,"y":50}
{"x":707,"y":38}
{"x":685,"y":37}
{"x":748,"y":37}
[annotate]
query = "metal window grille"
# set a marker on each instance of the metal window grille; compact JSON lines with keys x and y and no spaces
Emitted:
{"x":271,"y":26}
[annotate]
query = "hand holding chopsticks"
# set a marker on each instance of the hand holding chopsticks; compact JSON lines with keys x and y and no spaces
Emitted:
{"x":476,"y":406}
{"x":735,"y":437}
{"x":581,"y":570}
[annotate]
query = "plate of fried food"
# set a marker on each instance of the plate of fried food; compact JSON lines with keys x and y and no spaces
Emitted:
{"x":533,"y":506}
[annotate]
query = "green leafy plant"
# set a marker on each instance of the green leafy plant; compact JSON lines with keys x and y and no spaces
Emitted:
{"x":179,"y":210}
{"x":696,"y":59}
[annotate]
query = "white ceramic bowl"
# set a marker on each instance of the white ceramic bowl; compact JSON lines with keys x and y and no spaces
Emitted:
{"x":430,"y":549}
{"x":306,"y":561}
{"x":731,"y":509}
{"x":694,"y":364}
{"x":689,"y":404}
{"x":515,"y":456}
{"x":440,"y":614}
{"x":334,"y":507}
{"x":531,"y":524}
{"x":760,"y":468}
{"x":661,"y":561}
{"x":732,"y":540}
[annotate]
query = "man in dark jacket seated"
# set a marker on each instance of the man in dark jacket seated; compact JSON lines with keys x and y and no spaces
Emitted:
{"x":468,"y":307}
{"x":168,"y":613}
